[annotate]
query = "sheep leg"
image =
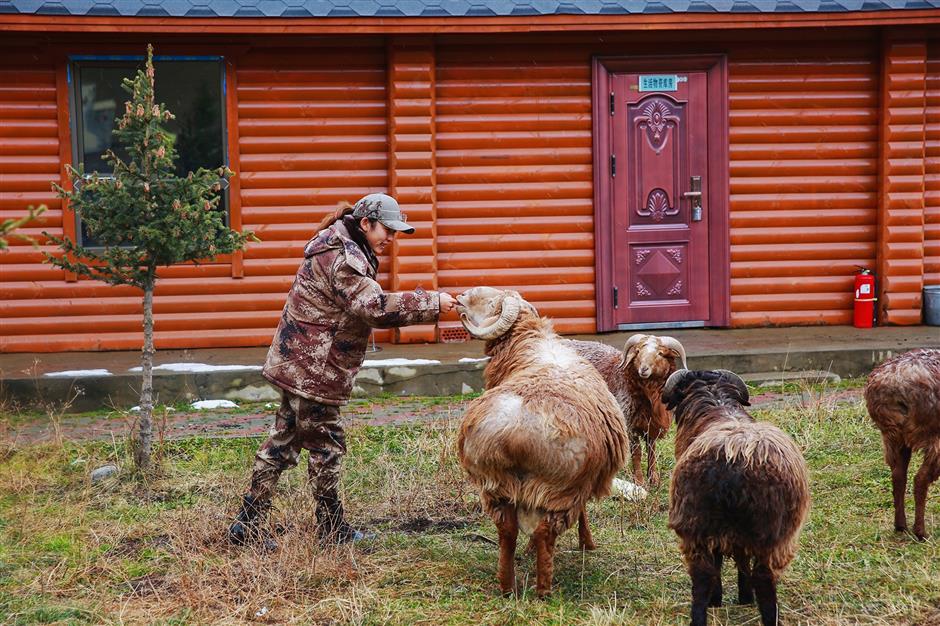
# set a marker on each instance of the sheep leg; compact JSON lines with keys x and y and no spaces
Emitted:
{"x":507,"y":525}
{"x":544,"y":537}
{"x":715,"y":599}
{"x":651,"y":472}
{"x":636,"y":451}
{"x":585,"y":539}
{"x":898,"y":457}
{"x":766,"y":590}
{"x":703,"y":574}
{"x":745,"y":587}
{"x":929,"y":472}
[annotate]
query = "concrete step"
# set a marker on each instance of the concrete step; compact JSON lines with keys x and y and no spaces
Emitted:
{"x":769,"y":379}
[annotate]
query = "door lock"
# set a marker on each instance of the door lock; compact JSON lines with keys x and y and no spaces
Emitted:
{"x":695,"y":195}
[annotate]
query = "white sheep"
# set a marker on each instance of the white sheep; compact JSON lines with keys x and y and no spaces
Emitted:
{"x":636,"y":377}
{"x":544,"y":438}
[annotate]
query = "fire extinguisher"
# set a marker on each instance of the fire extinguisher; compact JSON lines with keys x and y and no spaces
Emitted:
{"x":864,"y":298}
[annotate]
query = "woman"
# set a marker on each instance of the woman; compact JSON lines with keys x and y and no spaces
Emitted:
{"x":318,"y":348}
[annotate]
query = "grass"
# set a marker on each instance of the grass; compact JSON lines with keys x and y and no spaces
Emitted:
{"x":123,"y":552}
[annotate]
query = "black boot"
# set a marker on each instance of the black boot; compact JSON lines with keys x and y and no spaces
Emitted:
{"x":247,"y":526}
{"x":332,"y":525}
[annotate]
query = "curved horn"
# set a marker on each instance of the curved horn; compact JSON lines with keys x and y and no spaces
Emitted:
{"x":632,"y":341}
{"x":739,"y":384}
{"x":674,"y":379}
{"x":507,"y":317}
{"x":673,"y":344}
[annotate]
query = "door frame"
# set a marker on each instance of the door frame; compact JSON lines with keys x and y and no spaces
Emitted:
{"x":716,"y":68}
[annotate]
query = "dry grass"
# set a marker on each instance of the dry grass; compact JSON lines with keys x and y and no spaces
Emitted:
{"x":118,"y":552}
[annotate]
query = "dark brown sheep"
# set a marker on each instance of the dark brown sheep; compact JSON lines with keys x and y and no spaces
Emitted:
{"x":739,"y":489}
{"x":903,"y":398}
{"x":544,"y":438}
{"x":636,"y":377}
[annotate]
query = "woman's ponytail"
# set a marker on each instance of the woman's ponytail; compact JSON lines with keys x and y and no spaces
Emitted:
{"x":341,"y":211}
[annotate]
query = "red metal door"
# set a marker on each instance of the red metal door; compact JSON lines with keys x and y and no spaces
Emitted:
{"x":659,"y":165}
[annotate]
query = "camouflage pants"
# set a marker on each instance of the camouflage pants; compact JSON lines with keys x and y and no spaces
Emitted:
{"x":301,"y":423}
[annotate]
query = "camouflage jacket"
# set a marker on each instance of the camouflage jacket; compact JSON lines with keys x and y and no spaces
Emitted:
{"x":320,"y":342}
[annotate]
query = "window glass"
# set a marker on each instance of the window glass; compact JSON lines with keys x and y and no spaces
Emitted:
{"x":191,"y":90}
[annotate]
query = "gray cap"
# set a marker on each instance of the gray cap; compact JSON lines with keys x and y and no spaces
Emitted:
{"x":383,"y":208}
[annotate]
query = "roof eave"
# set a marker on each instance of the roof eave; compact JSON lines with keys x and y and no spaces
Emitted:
{"x":423,"y":25}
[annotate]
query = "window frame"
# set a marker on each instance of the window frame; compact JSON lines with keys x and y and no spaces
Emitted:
{"x":73,"y":65}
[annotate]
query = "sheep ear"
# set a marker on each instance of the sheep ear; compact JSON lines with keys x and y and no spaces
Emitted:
{"x":739,"y":385}
{"x":629,"y":349}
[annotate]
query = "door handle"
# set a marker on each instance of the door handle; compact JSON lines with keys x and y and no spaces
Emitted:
{"x":695,"y":195}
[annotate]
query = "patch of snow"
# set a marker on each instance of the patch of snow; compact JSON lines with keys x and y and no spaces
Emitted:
{"x":470,"y":360}
{"x":135,"y":408}
{"x":168,"y":409}
{"x":262,"y":612}
{"x":628,"y":490}
{"x":271,"y":405}
{"x":198,"y":368}
{"x":394,"y":362}
{"x":214,"y":404}
{"x":77,"y":373}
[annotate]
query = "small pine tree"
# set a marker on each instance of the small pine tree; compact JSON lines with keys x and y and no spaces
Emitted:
{"x":8,"y":226}
{"x":144,"y":216}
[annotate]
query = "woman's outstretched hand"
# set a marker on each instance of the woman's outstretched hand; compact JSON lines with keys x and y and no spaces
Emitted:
{"x":448,"y":302}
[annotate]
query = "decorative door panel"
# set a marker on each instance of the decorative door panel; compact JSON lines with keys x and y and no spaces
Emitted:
{"x":659,"y":162}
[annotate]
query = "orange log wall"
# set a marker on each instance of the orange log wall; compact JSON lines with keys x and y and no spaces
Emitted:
{"x":804,"y":180}
{"x":932,"y":169}
{"x":494,"y":144}
{"x":514,"y":176}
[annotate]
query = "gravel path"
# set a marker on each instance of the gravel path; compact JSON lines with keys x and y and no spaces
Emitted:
{"x":254,"y":420}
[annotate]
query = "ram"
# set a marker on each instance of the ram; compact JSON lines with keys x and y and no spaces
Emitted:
{"x":740,"y":489}
{"x":636,"y":377}
{"x":544,"y":438}
{"x":903,"y":398}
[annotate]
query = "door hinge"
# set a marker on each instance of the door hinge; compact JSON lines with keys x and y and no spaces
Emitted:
{"x":616,"y":297}
{"x":613,"y":165}
{"x":612,"y":102}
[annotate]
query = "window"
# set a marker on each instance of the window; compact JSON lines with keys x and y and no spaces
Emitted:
{"x":192,"y":89}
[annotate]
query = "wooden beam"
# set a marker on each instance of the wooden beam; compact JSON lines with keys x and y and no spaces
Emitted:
{"x":412,"y":178}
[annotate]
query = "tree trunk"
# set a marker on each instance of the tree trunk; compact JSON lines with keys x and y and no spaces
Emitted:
{"x":145,"y":425}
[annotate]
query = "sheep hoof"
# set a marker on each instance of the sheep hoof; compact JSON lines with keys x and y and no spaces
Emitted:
{"x":587,"y":547}
{"x":744,"y":599}
{"x":543,"y":594}
{"x":920,"y":535}
{"x":900,"y":528}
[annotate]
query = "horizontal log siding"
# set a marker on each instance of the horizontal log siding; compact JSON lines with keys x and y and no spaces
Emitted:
{"x":932,"y":174}
{"x":901,"y":202}
{"x":312,"y":134}
{"x":804,"y":176}
{"x":29,"y":163}
{"x":514,"y":176}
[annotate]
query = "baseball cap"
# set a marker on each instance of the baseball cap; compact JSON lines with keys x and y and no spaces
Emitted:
{"x":385,"y":209}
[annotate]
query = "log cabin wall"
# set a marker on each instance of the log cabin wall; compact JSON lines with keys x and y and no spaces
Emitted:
{"x":494,"y":144}
{"x":932,"y":168}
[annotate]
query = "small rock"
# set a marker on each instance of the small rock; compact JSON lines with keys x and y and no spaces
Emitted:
{"x":254,"y":393}
{"x":103,"y":472}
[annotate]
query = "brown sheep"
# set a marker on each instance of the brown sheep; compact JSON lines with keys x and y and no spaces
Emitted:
{"x":544,"y":438}
{"x":903,"y":398}
{"x":739,"y":489}
{"x":636,"y":377}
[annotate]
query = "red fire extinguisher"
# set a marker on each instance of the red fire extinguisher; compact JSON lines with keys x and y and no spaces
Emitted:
{"x":864,"y":298}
